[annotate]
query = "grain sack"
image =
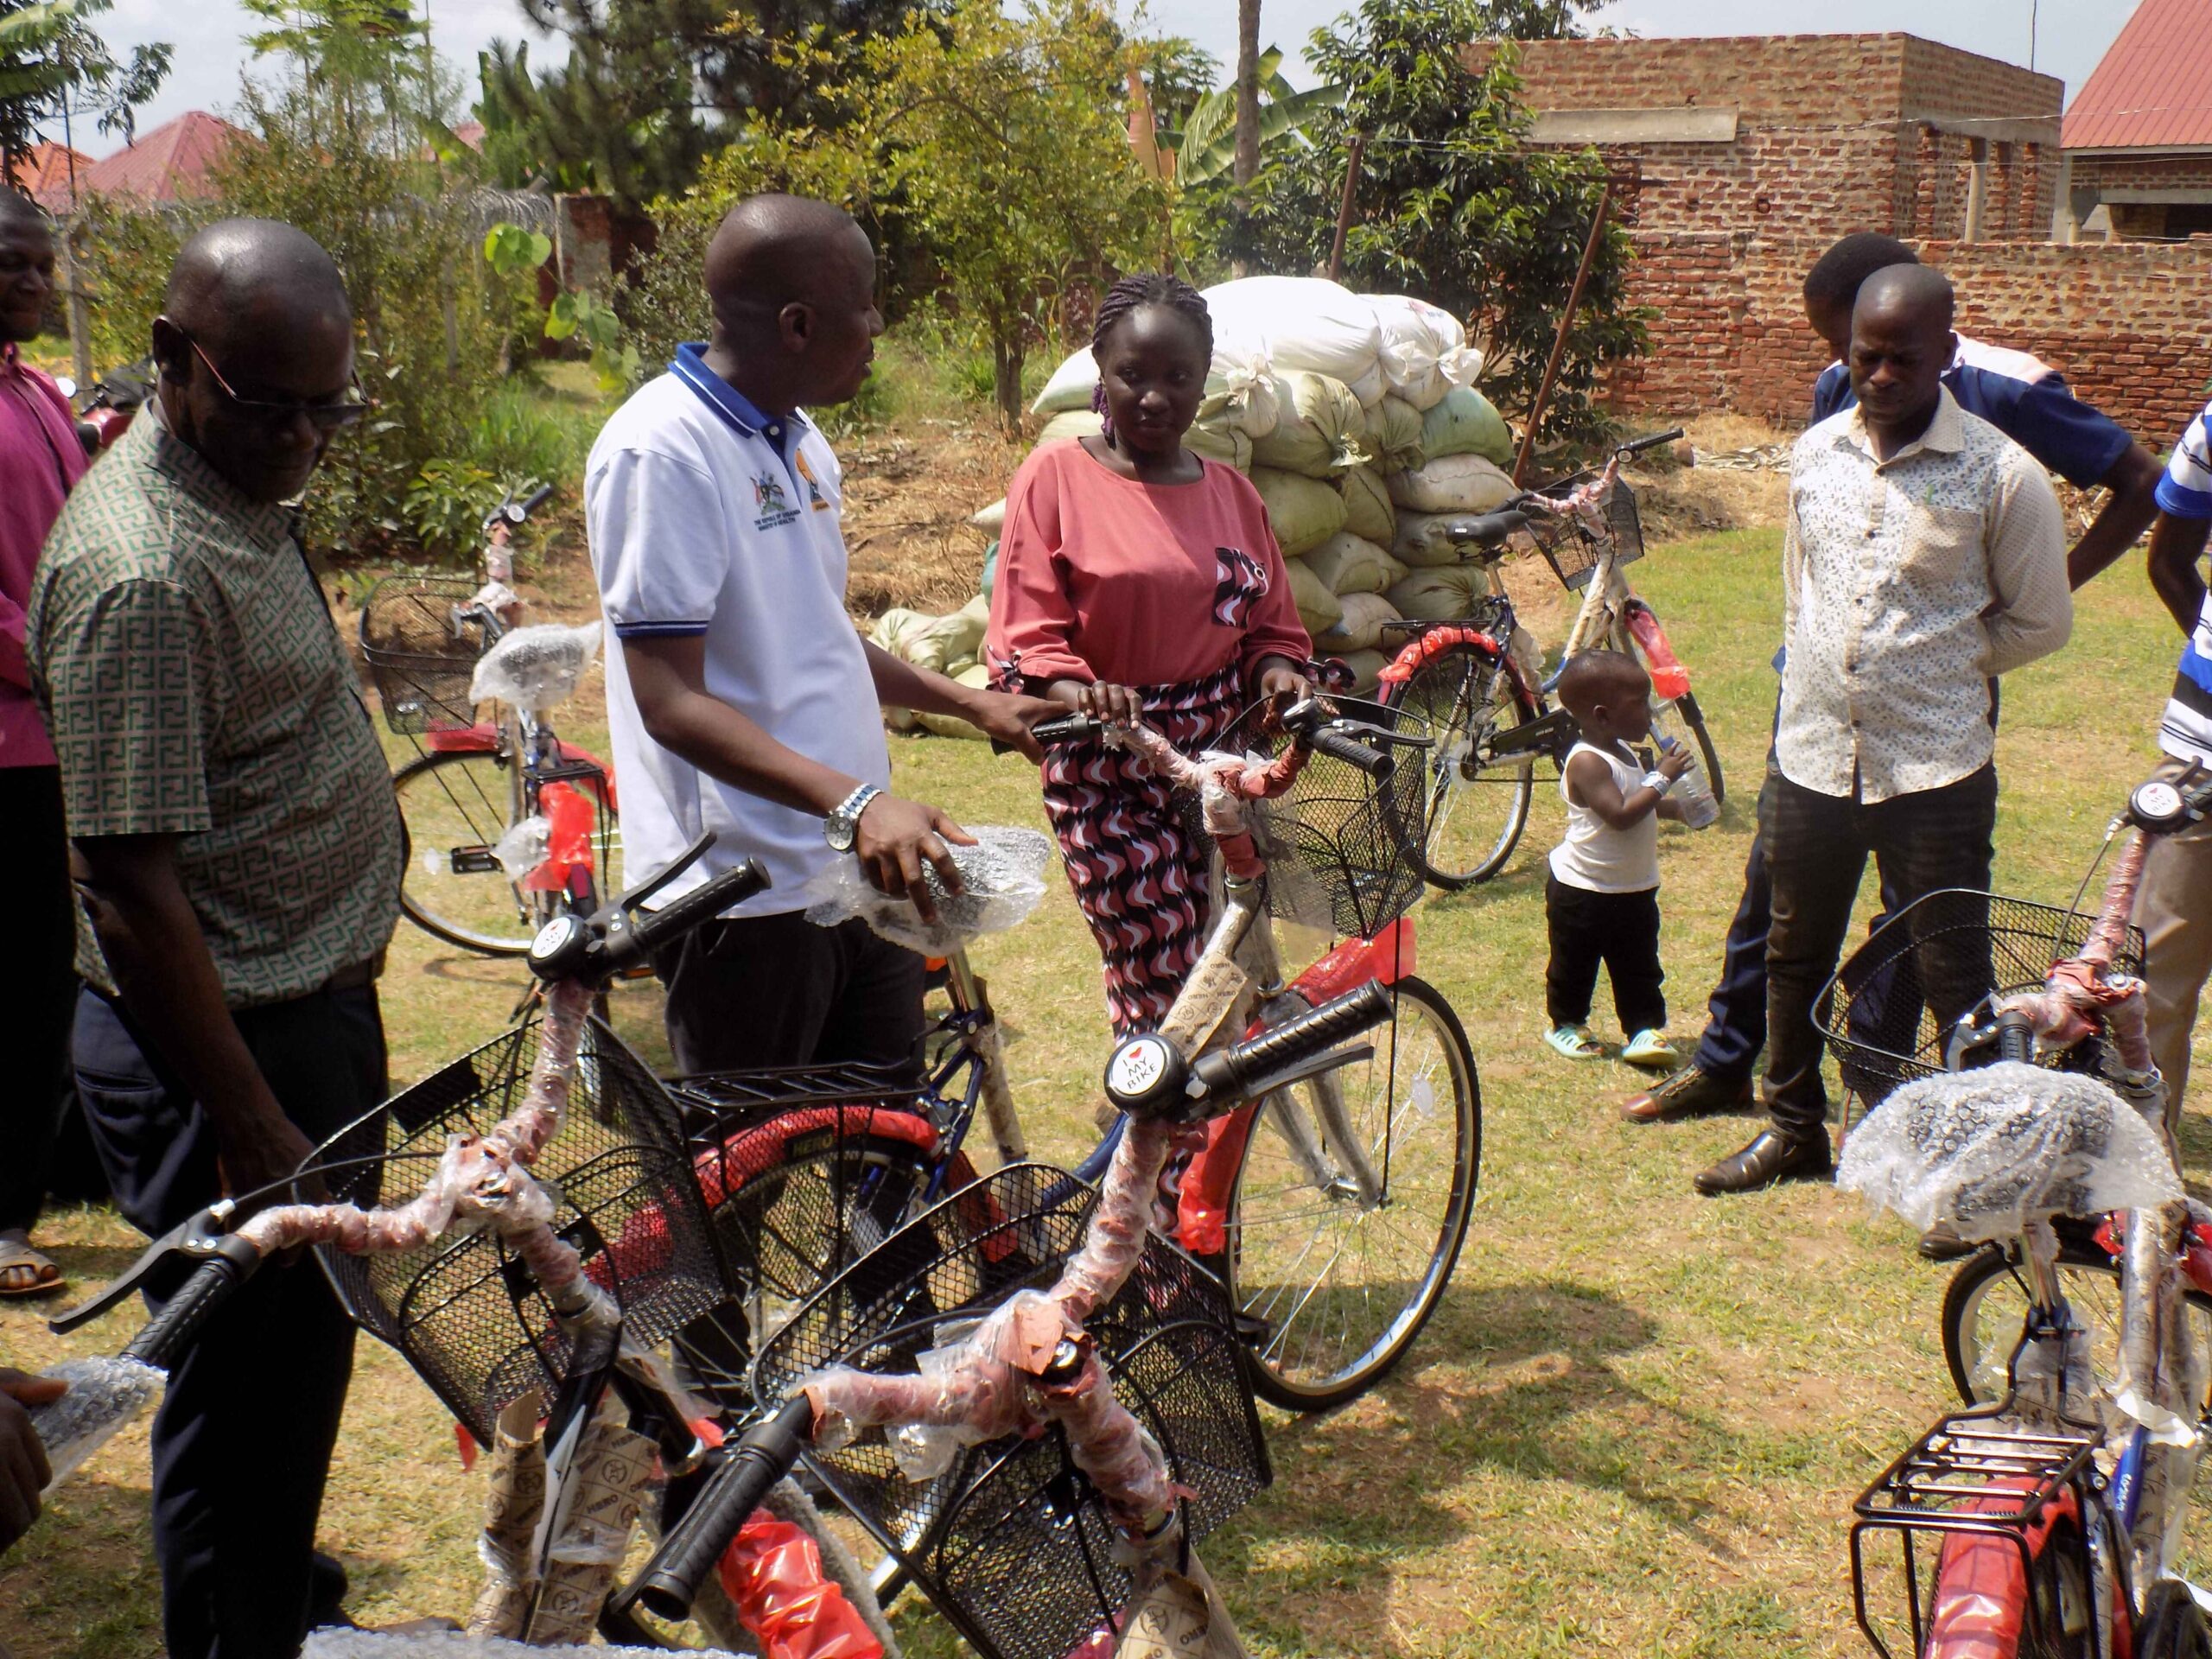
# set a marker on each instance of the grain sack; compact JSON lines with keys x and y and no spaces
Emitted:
{"x":1304,"y":512}
{"x":1319,"y":427}
{"x":1241,"y":395}
{"x":1318,"y":608}
{"x":935,"y":642}
{"x":1070,"y":385}
{"x":1442,"y":594}
{"x":1394,"y":436}
{"x":1298,"y":322}
{"x":1464,"y":484}
{"x":1368,"y":511}
{"x":992,"y":519}
{"x":1464,"y":423}
{"x":1072,"y":424}
{"x":1366,"y":668}
{"x":990,"y":576}
{"x":1422,"y":351}
{"x":1421,"y":540}
{"x":1361,"y":625}
{"x":976,"y":676}
{"x":1226,"y":445}
{"x":1350,"y":565}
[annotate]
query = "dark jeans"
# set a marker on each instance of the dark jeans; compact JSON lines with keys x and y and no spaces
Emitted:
{"x":1621,"y":931}
{"x":1735,"y":1028}
{"x":758,"y":991}
{"x":243,"y":1441}
{"x":34,"y":1015}
{"x":1817,"y":850}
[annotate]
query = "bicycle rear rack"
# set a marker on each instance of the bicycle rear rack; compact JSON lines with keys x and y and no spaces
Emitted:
{"x":713,"y":1103}
{"x":1979,"y":1474}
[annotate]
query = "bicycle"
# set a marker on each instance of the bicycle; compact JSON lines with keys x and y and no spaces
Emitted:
{"x":1479,"y":686}
{"x":1336,"y":1230}
{"x":470,"y":879}
{"x":2058,"y":1499}
{"x":1037,"y":1460}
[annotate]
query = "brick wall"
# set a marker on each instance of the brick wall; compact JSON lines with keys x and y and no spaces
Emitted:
{"x":2142,"y":172}
{"x":2130,"y":324}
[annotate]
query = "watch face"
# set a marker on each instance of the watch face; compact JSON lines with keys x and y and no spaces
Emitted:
{"x":839,"y":831}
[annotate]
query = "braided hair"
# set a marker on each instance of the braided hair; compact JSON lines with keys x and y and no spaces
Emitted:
{"x":1131,"y":294}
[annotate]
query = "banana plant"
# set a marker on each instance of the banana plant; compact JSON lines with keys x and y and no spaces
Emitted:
{"x":1206,"y":147}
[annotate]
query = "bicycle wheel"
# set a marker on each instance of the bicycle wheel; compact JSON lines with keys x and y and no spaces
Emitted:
{"x":1680,"y":719}
{"x":1477,"y":807}
{"x":1985,"y":1307}
{"x":455,"y":806}
{"x":1336,"y":1288}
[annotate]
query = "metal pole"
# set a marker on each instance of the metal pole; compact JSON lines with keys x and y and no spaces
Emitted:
{"x":1559,"y":340}
{"x":1344,"y":205}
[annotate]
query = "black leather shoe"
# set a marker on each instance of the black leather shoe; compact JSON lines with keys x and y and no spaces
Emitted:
{"x":1774,"y":1155}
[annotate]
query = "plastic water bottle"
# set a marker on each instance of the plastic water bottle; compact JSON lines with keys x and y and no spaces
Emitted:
{"x":1699,"y":810}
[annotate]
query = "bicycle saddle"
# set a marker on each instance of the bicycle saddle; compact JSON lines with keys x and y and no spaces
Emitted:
{"x":1487,"y":530}
{"x":1985,"y":1152}
{"x":535,"y":667}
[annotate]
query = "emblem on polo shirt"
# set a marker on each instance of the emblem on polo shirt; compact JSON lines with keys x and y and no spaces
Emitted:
{"x":815,"y":499}
{"x":776,"y":510}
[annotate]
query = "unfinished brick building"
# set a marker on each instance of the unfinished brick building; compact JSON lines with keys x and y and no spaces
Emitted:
{"x":1743,"y":158}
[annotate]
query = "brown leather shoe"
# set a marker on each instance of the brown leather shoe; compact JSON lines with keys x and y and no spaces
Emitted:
{"x":1773,"y":1155}
{"x":1686,"y":1093}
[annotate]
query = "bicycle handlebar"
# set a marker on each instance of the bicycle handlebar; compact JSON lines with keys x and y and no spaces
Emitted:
{"x":213,"y":1282}
{"x":1652,"y":442}
{"x":1378,"y":764}
{"x":621,"y":934}
{"x":1149,"y":1077}
{"x":762,"y":1456}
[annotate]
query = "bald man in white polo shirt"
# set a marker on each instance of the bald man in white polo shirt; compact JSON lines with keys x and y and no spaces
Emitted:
{"x":740,"y":697}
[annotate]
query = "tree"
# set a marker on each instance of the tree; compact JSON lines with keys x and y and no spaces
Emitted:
{"x":1213,"y":136}
{"x":1248,"y":92}
{"x":1459,"y":210}
{"x":54,"y":67}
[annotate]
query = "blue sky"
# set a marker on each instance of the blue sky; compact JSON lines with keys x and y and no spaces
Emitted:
{"x":2071,"y":34}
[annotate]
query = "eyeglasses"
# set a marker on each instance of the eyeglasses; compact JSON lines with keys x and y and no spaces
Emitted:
{"x":325,"y":416}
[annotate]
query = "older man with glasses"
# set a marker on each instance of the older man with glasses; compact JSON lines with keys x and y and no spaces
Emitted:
{"x":238,"y":853}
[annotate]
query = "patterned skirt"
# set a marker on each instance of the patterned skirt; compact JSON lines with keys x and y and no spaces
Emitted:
{"x":1138,"y":873}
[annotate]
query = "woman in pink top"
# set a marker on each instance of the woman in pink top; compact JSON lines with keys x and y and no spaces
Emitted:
{"x":1137,"y":578}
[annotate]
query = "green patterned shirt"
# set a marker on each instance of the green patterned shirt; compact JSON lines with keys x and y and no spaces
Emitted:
{"x":194,"y":685}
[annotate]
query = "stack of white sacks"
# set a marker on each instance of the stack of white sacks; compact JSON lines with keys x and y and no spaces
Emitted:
{"x":1355,"y":417}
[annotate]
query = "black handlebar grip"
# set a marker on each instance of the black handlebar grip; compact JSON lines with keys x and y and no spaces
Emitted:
{"x":1061,"y":729}
{"x":1229,"y":1072}
{"x":655,"y":928}
{"x":2016,"y":1036}
{"x":177,"y":1326}
{"x":1651,"y":442}
{"x":763,"y":1456}
{"x":1378,"y":764}
{"x":536,"y":499}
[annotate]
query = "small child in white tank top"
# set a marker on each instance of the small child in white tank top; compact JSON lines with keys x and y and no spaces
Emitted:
{"x":1601,"y":899}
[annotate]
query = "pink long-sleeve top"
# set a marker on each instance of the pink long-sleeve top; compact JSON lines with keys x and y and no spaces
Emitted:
{"x":40,"y":459}
{"x":1104,"y":578}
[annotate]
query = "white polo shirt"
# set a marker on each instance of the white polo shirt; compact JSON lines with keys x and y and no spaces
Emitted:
{"x":699,"y":526}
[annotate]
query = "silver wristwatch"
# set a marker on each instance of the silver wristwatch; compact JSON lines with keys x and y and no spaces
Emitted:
{"x":1658,"y":781}
{"x":843,"y":827}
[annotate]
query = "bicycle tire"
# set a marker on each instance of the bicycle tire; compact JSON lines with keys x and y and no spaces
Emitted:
{"x":1423,"y":1047}
{"x":1461,"y":692}
{"x":2171,"y":1627}
{"x":445,"y":802}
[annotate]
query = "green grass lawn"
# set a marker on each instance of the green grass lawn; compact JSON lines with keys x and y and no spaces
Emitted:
{"x":1638,"y":1421}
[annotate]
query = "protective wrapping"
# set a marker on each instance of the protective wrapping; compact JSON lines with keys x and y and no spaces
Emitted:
{"x":1177,"y":1615}
{"x":535,"y":667}
{"x":335,"y":1643}
{"x":514,"y":1502}
{"x":523,"y":847}
{"x":773,"y":1573}
{"x":1983,"y":1151}
{"x":590,"y":1532}
{"x":105,"y":1395}
{"x":1002,"y":877}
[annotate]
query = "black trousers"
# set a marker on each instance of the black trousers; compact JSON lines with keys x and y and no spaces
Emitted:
{"x":34,"y":1010}
{"x":1619,"y":930}
{"x":242,"y":1442}
{"x":1817,"y":848}
{"x":757,"y":991}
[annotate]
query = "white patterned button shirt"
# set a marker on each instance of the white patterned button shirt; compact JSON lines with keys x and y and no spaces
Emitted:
{"x":1907,"y":585}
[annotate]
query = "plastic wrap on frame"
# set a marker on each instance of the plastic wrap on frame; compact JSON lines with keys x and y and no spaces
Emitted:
{"x":1985,"y":1151}
{"x":535,"y":667}
{"x":1112,"y":1447}
{"x":1002,"y":879}
{"x":105,"y":1395}
{"x":1115,"y":1237}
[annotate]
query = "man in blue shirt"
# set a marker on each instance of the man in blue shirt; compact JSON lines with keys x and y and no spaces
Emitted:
{"x":2029,"y":401}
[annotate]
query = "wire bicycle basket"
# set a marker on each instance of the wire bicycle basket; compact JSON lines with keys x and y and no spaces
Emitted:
{"x":1571,"y":555}
{"x":1341,"y":846}
{"x":1890,"y":1009}
{"x":465,"y":1310}
{"x":420,"y":653}
{"x":1010,"y":1540}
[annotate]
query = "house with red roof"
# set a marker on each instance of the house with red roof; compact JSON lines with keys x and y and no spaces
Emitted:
{"x":2138,"y":137}
{"x":44,"y":172}
{"x":170,"y":163}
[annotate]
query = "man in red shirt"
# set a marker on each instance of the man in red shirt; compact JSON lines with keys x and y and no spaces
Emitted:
{"x":39,"y":458}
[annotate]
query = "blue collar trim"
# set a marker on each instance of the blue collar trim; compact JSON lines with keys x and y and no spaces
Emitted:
{"x":733,"y":406}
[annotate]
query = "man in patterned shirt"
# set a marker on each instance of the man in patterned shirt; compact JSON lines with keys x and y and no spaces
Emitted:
{"x":1924,"y":555}
{"x":238,"y":854}
{"x":2174,"y":904}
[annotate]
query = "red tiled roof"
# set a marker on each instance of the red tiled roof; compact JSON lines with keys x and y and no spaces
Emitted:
{"x":2153,"y":90}
{"x":166,"y":164}
{"x":45,"y":174}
